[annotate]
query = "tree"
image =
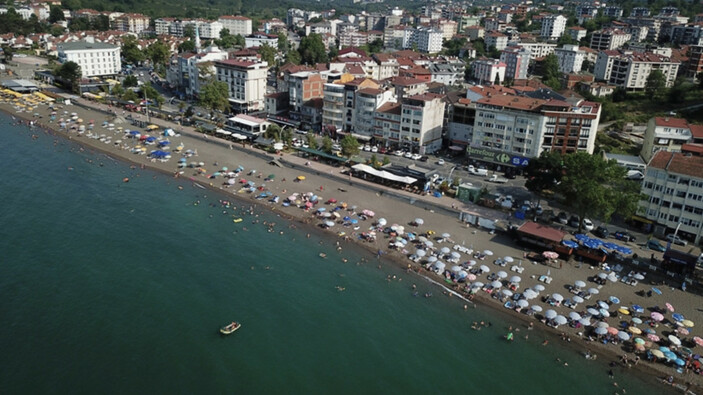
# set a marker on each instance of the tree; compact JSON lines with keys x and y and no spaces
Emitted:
{"x":186,"y":46}
{"x":55,"y":14}
{"x":312,"y":49}
{"x":312,"y":142}
{"x":350,"y":146}
{"x":543,"y":173}
{"x":71,"y":73}
{"x":268,"y":54}
{"x":130,"y":50}
{"x":283,"y":45}
{"x":150,"y":93}
{"x":655,"y":84}
{"x":239,"y":40}
{"x":619,"y":95}
{"x":287,"y":136}
{"x":226,"y":39}
{"x":215,"y":96}
{"x":453,"y":47}
{"x":130,"y":95}
{"x":117,"y":90}
{"x":158,"y":53}
{"x":293,"y":57}
{"x":593,"y":187}
{"x":130,"y":81}
{"x":273,"y":131}
{"x":189,"y":31}
{"x":566,"y":39}
{"x":326,"y":144}
{"x":480,"y":47}
{"x":57,"y":30}
{"x":8,"y":52}
{"x":550,"y":72}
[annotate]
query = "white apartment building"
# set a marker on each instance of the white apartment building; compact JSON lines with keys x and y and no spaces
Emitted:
{"x":353,"y":39}
{"x":517,"y":61}
{"x":259,"y":39}
{"x":673,"y":186}
{"x":606,"y":39}
{"x":95,"y":59}
{"x":448,"y":28}
{"x":133,"y":23}
{"x":367,"y":101}
{"x":497,"y":40}
{"x":577,"y":32}
{"x":192,"y":68}
{"x":163,"y":25}
{"x":246,"y":81}
{"x":421,"y":122}
{"x":387,"y":123}
{"x":333,"y":108}
{"x":630,"y":69}
{"x":236,"y":24}
{"x":487,"y":71}
{"x":570,"y":58}
{"x":553,"y":27}
{"x":665,"y":134}
{"x":538,"y":50}
{"x":426,"y":39}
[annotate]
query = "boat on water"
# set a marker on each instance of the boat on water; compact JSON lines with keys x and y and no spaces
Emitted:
{"x":229,"y":329}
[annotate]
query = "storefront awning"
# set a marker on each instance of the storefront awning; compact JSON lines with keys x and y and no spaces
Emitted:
{"x":383,"y":174}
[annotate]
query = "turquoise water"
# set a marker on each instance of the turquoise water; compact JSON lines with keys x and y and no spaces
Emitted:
{"x":112,"y":287}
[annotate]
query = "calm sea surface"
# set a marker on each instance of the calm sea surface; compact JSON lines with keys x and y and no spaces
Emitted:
{"x":112,"y":287}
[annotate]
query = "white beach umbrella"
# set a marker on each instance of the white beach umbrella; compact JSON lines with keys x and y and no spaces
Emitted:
{"x":593,"y":291}
{"x":477,"y":284}
{"x":439,"y":266}
{"x":445,"y":250}
{"x":507,"y":292}
{"x":429,"y":244}
{"x":674,"y":340}
{"x":550,"y":314}
{"x":419,"y":221}
{"x":538,"y":287}
{"x":560,"y":320}
{"x":623,"y":335}
{"x":604,"y":313}
{"x":501,"y":274}
{"x":446,"y":235}
{"x":602,"y":276}
{"x":456,"y":269}
{"x":602,"y":324}
{"x":523,"y":303}
{"x":381,"y":222}
{"x":484,"y":269}
{"x":639,"y":277}
{"x":577,"y":299}
{"x":579,"y":284}
{"x":420,"y":253}
{"x":455,"y":255}
{"x":496,"y":284}
{"x":515,"y":279}
{"x":557,"y":297}
{"x":529,"y":294}
{"x":585,"y":321}
{"x":508,"y":259}
{"x":612,"y":277}
{"x":535,"y":307}
{"x":487,"y":252}
{"x":574,"y":316}
{"x":600,"y":331}
{"x":471,"y":263}
{"x":592,"y":311}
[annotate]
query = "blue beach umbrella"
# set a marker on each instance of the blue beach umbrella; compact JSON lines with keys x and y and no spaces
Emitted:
{"x":656,"y":290}
{"x":347,"y":218}
{"x":637,"y":308}
{"x":677,"y":317}
{"x":614,"y":299}
{"x":624,"y":250}
{"x":610,"y":246}
{"x":581,"y":237}
{"x":591,"y":243}
{"x":679,"y":361}
{"x":570,"y":243}
{"x":670,"y":355}
{"x":354,"y":221}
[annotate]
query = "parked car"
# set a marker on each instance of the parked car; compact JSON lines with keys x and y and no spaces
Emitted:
{"x":424,"y":158}
{"x":562,"y":218}
{"x":408,"y":155}
{"x":374,"y":149}
{"x":574,"y":221}
{"x":440,"y":162}
{"x":676,"y":239}
{"x":367,"y":148}
{"x":624,"y":236}
{"x":399,"y":153}
{"x":336,"y":147}
{"x":587,"y":224}
{"x":601,"y":232}
{"x":655,"y":245}
{"x":416,"y":156}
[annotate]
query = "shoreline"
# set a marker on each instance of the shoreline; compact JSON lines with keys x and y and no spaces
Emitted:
{"x":392,"y":257}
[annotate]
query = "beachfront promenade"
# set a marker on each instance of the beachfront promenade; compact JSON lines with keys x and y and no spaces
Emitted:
{"x":402,"y":208}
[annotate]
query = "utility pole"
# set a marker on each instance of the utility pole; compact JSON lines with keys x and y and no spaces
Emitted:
{"x":146,"y":103}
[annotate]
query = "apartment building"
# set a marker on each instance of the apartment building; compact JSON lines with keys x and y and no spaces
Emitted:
{"x":553,"y":27}
{"x":630,"y":70}
{"x":421,"y":123}
{"x":366,"y":102}
{"x":517,"y":61}
{"x":570,"y":127}
{"x":538,"y":50}
{"x":665,"y":134}
{"x":236,"y":24}
{"x":132,"y":23}
{"x":304,"y":87}
{"x":426,"y":39}
{"x":673,"y":187}
{"x":246,"y":81}
{"x":496,"y":40}
{"x":489,"y":71}
{"x":95,"y":59}
{"x":607,"y":39}
{"x":192,"y":68}
{"x":570,"y":58}
{"x":577,"y":32}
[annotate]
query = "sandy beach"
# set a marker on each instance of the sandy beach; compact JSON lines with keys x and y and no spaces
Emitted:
{"x":440,"y":215}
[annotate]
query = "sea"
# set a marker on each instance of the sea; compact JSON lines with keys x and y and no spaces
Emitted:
{"x":120,"y":287}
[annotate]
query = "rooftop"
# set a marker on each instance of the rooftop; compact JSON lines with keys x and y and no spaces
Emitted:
{"x":83,"y":45}
{"x":542,"y":231}
{"x":671,"y":122}
{"x":675,"y":162}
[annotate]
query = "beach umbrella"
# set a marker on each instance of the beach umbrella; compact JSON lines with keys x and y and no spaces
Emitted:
{"x":536,"y":308}
{"x":477,"y":284}
{"x":557,"y":297}
{"x":324,"y":215}
{"x":382,"y":222}
{"x":638,"y":277}
{"x":523,"y":303}
{"x":445,"y":250}
{"x":679,"y":362}
{"x":446,"y":235}
{"x":456,"y":269}
{"x":614,"y":299}
{"x":636,"y":320}
{"x":529,"y":294}
{"x":577,"y":299}
{"x":610,"y":245}
{"x":613,"y":330}
{"x":368,"y":213}
{"x":507,"y":292}
{"x":604,"y":313}
{"x":601,"y":331}
{"x":420,"y":253}
{"x":592,"y":311}
{"x":698,"y":340}
{"x":637,"y":309}
{"x":429,"y":244}
{"x":508,"y":259}
{"x":623,"y":250}
{"x":657,"y":353}
{"x":329,"y":223}
{"x":231,"y":181}
{"x":581,"y":237}
{"x":687,"y":323}
{"x":346,"y":218}
{"x":574,"y":316}
{"x":656,"y":316}
{"x":538,"y":287}
{"x":550,"y":255}
{"x":593,"y":291}
{"x":682,"y":331}
{"x":623,"y":310}
{"x":432,"y":259}
{"x":501,"y":274}
{"x":671,"y":356}
{"x":674,"y":340}
{"x":623,"y":336}
{"x":603,"y":305}
{"x":464,"y":274}
{"x":471,"y":277}
{"x":579,"y":284}
{"x":656,"y":290}
{"x":585,"y":321}
{"x":602,"y":276}
{"x":487,"y":252}
{"x":471,"y":263}
{"x":602,"y":324}
{"x":677,"y":317}
{"x":653,"y":337}
{"x":635,"y":330}
{"x":496,"y":284}
{"x":569,"y":243}
{"x":455,"y":255}
{"x":550,"y":314}
{"x":419,"y":221}
{"x":669,"y":307}
{"x":560,"y":320}
{"x":484,"y":269}
{"x":612,"y":277}
{"x":515,"y":279}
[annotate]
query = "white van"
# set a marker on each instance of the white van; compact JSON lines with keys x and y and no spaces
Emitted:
{"x":478,"y":171}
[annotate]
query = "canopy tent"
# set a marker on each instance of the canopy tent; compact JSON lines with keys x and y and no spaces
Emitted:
{"x":383,"y":174}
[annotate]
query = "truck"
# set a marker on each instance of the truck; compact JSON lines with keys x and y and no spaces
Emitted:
{"x":477,"y":171}
{"x":498,"y":180}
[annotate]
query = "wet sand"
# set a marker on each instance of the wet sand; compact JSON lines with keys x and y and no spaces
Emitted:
{"x":329,"y":182}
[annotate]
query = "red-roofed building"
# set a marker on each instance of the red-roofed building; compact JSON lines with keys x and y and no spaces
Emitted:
{"x":541,"y":235}
{"x":673,"y":187}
